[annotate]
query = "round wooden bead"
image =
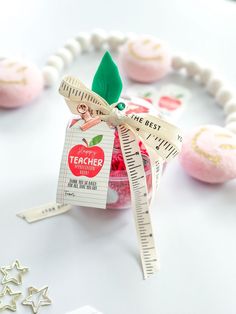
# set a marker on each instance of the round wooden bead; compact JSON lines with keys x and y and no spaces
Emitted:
{"x":192,"y":68}
{"x":56,"y":62}
{"x":50,"y":75}
{"x":230,"y":107}
{"x":115,"y":39}
{"x":231,"y":117}
{"x":209,"y":154}
{"x":214,"y":86}
{"x":145,"y":59}
{"x":223,"y":96}
{"x":205,"y":76}
{"x":84,"y":40}
{"x":178,"y":63}
{"x":20,"y":83}
{"x":66,"y":55}
{"x":98,"y":38}
{"x":74,"y":46}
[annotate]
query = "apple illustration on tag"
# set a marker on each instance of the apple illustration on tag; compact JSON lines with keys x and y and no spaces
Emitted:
{"x":86,"y":160}
{"x":136,"y":108}
{"x":170,"y":103}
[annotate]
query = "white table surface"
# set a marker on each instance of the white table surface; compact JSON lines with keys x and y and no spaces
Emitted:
{"x":90,"y":256}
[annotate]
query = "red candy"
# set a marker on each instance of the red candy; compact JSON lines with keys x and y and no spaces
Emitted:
{"x":118,"y":196}
{"x":119,"y":188}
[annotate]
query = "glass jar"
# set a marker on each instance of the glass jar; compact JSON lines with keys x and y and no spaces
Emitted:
{"x":118,"y":195}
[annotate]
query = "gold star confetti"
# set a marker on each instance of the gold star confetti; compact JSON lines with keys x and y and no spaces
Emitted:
{"x":7,"y":269}
{"x":12,"y":304}
{"x":37,"y":298}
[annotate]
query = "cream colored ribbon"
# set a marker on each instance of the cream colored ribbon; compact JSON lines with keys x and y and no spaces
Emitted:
{"x":162,"y":141}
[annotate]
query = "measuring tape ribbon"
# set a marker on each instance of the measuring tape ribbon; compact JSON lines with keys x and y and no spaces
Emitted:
{"x":161,"y":136}
{"x":140,"y":201}
{"x":162,"y":141}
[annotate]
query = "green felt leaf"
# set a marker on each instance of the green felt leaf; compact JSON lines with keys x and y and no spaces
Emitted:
{"x":107,"y":81}
{"x":96,"y":140}
{"x":147,"y":94}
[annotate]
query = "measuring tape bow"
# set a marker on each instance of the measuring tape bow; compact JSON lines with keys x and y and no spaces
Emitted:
{"x":162,"y":141}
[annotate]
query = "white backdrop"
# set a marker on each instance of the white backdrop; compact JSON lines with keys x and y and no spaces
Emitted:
{"x":90,"y":256}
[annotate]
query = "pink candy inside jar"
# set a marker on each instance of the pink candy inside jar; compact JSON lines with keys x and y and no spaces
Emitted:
{"x":118,"y":196}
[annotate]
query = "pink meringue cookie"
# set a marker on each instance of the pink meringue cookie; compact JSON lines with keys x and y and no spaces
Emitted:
{"x":209,"y":154}
{"x":145,"y":59}
{"x":20,"y":83}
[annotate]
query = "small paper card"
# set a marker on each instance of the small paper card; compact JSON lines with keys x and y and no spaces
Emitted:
{"x":85,"y":310}
{"x":85,"y":165}
{"x":170,"y":100}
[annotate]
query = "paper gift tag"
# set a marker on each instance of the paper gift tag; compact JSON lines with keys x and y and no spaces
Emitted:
{"x":85,"y":166}
{"x":85,"y":310}
{"x":170,"y":100}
